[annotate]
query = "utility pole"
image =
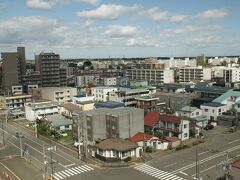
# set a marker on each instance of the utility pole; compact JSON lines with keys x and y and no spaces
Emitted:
{"x":197,"y":166}
{"x":45,"y":162}
{"x":19,"y":135}
{"x":52,"y":168}
{"x":3,"y":139}
{"x":226,"y":167}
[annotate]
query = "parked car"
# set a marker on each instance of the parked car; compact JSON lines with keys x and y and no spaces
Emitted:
{"x":208,"y":127}
{"x":62,"y":134}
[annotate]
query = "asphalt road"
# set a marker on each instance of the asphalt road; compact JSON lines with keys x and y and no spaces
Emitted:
{"x":179,"y":165}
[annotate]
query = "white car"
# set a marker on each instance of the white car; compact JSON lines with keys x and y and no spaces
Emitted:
{"x":76,"y":144}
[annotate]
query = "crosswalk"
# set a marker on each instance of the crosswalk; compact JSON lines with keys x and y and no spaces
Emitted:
{"x":71,"y":172}
{"x":152,"y":171}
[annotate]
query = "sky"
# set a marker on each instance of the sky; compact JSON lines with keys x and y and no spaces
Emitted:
{"x":121,"y":28}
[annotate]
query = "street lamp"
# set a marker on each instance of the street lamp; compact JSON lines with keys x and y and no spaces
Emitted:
{"x":19,"y":135}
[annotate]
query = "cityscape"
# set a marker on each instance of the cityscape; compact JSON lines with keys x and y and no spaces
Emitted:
{"x":113,"y":90}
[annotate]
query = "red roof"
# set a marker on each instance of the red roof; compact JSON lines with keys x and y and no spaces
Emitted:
{"x":236,"y":164}
{"x":170,"y":118}
{"x":172,"y":139}
{"x":140,"y":136}
{"x":151,"y":119}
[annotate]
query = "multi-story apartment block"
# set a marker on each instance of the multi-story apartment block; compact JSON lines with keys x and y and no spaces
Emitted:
{"x":231,"y":75}
{"x":188,"y":74}
{"x":106,"y":81}
{"x":127,"y":95}
{"x":23,"y":89}
{"x":105,"y":123}
{"x":32,"y":78}
{"x":58,"y":94}
{"x":48,"y":64}
{"x":178,"y":63}
{"x":153,"y":76}
{"x":102,"y":93}
{"x":14,"y":67}
{"x":14,"y":101}
{"x":84,"y":80}
{"x":63,"y":77}
{"x":39,"y":109}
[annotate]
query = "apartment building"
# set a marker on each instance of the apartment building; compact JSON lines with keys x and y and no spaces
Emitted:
{"x":178,"y":63}
{"x":58,"y":94}
{"x":105,"y":123}
{"x":39,"y":109}
{"x":153,"y":76}
{"x":14,"y":101}
{"x":102,"y":93}
{"x":84,"y":80}
{"x":127,"y":95}
{"x":188,"y":74}
{"x":48,"y":64}
{"x":109,"y":81}
{"x":32,"y":78}
{"x":13,"y":68}
{"x":23,"y":88}
{"x":231,"y":75}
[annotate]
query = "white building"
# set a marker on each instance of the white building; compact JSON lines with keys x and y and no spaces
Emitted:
{"x":199,"y":73}
{"x":127,"y":95}
{"x":102,"y":93}
{"x":213,"y":109}
{"x":40,"y":109}
{"x":178,"y":63}
{"x":190,"y":112}
{"x":58,"y":94}
{"x":232,"y":75}
{"x":154,"y":76}
{"x":110,"y":81}
{"x":84,"y":80}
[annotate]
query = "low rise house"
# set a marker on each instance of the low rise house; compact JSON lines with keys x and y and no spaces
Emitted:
{"x":59,"y":123}
{"x":148,"y":140}
{"x":116,"y":149}
{"x":201,"y":121}
{"x":213,"y":109}
{"x":169,"y":125}
{"x":39,"y":109}
{"x":67,"y":109}
{"x":189,"y":111}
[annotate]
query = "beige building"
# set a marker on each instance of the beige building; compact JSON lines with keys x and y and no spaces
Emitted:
{"x":58,"y":94}
{"x":14,"y":101}
{"x":86,"y":105}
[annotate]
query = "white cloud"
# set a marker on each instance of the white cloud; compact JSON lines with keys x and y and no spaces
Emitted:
{"x":203,"y":40}
{"x":178,"y":18}
{"x":108,"y":11}
{"x":120,"y":31}
{"x":50,"y":4}
{"x":213,"y":14}
{"x":156,"y":14}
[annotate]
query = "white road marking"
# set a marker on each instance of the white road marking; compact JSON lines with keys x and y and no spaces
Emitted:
{"x":170,"y":165}
{"x":144,"y":168}
{"x":69,"y":165}
{"x":203,"y":153}
{"x":183,"y":173}
{"x":206,"y":159}
{"x":234,"y":141}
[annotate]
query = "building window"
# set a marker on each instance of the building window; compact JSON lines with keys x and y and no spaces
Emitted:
{"x":212,"y":110}
{"x":185,"y":135}
{"x":197,"y":113}
{"x":124,"y":154}
{"x":185,"y":126}
{"x":206,"y":110}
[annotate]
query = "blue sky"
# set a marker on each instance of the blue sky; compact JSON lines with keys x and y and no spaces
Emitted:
{"x":121,"y":28}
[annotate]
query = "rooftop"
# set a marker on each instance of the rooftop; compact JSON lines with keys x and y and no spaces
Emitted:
{"x":189,"y":109}
{"x":140,"y":136}
{"x":59,"y":120}
{"x":212,"y":89}
{"x":116,"y":144}
{"x":213,"y":104}
{"x":146,"y":98}
{"x":70,"y":107}
{"x":151,"y":119}
{"x":226,"y":95}
{"x":109,"y":104}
